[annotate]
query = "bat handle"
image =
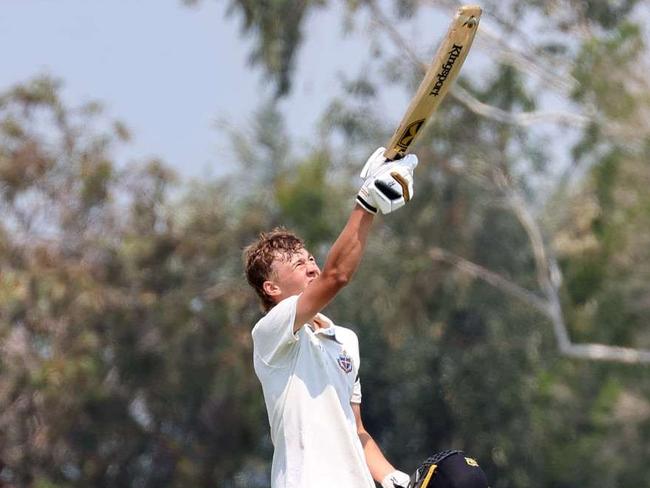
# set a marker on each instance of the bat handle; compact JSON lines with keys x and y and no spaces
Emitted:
{"x":397,"y":157}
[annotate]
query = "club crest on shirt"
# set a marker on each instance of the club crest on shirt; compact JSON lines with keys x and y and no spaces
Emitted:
{"x":345,"y":362}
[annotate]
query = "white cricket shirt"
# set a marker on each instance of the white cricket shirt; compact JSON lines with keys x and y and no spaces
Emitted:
{"x":309,"y":380}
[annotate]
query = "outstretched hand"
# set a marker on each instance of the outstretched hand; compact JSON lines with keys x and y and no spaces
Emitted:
{"x":387,"y":185}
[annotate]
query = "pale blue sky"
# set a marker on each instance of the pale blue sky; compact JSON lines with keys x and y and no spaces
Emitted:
{"x":169,"y":72}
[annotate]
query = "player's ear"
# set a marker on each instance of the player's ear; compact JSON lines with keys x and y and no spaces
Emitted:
{"x":271,"y":288}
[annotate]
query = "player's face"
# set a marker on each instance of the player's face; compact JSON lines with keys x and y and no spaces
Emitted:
{"x":294,"y":274}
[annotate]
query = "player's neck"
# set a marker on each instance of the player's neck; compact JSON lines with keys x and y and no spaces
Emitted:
{"x":318,"y":323}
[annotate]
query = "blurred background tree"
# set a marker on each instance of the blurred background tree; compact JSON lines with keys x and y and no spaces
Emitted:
{"x":503,"y":308}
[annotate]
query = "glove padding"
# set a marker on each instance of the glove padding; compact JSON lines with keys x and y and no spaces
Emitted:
{"x":396,"y":479}
{"x":387,"y":185}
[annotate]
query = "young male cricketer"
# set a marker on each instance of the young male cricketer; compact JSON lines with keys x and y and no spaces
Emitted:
{"x":307,"y":365}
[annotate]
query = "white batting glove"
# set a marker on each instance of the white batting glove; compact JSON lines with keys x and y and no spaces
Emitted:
{"x":373,"y":163}
{"x":387,"y":185}
{"x":396,"y":479}
{"x":393,"y":184}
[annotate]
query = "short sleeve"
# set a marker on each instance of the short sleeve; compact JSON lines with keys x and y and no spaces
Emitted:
{"x":273,"y":334}
{"x":356,"y":391}
{"x":353,"y":345}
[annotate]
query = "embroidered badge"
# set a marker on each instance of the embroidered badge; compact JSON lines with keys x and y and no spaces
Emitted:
{"x":345,"y":362}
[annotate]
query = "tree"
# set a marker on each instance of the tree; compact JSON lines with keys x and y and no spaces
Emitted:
{"x":116,"y":324}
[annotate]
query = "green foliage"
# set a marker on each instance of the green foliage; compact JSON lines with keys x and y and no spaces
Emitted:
{"x":303,"y":194}
{"x":277,"y":27}
{"x":116,"y":328}
{"x":601,"y":71}
{"x":608,"y":14}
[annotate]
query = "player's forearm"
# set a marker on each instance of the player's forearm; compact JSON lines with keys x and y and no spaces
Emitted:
{"x":346,"y":253}
{"x":375,"y":459}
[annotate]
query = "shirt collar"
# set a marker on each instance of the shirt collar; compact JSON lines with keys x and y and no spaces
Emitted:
{"x":329,"y":330}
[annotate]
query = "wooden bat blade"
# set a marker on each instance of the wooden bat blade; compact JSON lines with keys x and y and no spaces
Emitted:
{"x":441,"y":74}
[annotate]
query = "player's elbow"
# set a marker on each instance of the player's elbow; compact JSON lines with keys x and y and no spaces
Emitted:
{"x":337,"y":278}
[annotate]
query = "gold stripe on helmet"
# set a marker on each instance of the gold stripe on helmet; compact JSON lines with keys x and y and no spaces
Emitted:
{"x":427,"y":478}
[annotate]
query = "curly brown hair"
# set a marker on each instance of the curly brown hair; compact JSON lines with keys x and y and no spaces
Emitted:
{"x":259,"y":256}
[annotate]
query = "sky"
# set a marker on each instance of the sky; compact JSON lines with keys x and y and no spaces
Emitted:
{"x":168,"y":71}
{"x":176,"y":74}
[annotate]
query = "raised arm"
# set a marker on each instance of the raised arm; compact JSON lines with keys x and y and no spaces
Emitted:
{"x":342,"y":261}
{"x":387,"y":185}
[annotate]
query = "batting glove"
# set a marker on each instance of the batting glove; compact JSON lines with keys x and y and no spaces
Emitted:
{"x":388,"y":185}
{"x":396,"y":479}
{"x":373,"y":163}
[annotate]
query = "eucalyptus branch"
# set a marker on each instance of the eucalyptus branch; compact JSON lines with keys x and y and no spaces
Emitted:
{"x":550,"y":307}
{"x":527,"y":58}
{"x":608,"y":353}
{"x":495,"y":279}
{"x":462,"y":95}
{"x":546,"y":268}
{"x":520,"y":118}
{"x":549,"y":279}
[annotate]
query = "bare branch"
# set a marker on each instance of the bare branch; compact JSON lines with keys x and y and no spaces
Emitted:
{"x":519,"y":118}
{"x":507,"y":55}
{"x":547,"y":270}
{"x":551,"y":308}
{"x":397,"y":38}
{"x":462,"y":95}
{"x":494,"y":279}
{"x":549,"y":278}
{"x":601,"y":352}
{"x":527,"y":58}
{"x":519,"y":208}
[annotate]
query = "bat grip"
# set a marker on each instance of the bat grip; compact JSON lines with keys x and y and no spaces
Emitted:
{"x":397,"y":157}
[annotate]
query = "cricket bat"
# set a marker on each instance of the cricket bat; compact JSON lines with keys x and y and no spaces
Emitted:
{"x":441,"y":74}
